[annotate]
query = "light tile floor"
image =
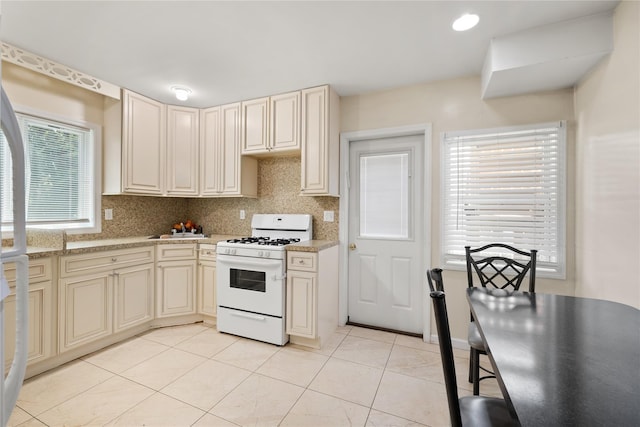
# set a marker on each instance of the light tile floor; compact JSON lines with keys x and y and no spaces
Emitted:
{"x":195,"y":376}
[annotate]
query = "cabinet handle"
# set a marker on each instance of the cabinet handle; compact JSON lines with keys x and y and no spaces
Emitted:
{"x":301,"y":261}
{"x":114,"y":259}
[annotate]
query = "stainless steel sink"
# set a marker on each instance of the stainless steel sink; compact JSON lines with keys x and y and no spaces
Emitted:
{"x":180,"y":236}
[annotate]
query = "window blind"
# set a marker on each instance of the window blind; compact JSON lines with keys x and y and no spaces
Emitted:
{"x":59,"y":173}
{"x":505,"y":186}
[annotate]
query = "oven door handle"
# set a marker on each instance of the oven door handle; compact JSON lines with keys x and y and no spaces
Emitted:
{"x":247,"y":315}
{"x":232,"y":260}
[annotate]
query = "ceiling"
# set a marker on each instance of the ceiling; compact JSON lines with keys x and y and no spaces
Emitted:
{"x":236,"y":50}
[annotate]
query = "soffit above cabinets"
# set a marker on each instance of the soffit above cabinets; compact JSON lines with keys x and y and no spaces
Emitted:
{"x":548,"y":57}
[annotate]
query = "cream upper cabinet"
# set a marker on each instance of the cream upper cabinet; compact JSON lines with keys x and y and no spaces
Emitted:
{"x":255,"y":126}
{"x":284,"y":125}
{"x":183,"y":135}
{"x":320,"y":142}
{"x":143,"y":144}
{"x":225,"y":172}
{"x":209,"y":151}
{"x":229,"y":159}
{"x":271,"y":125}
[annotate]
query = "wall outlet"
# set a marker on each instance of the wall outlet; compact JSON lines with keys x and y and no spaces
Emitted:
{"x":243,"y":215}
{"x":328,"y":216}
{"x":108,"y":214}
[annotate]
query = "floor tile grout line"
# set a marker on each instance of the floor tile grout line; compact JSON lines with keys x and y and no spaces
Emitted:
{"x":328,"y":356}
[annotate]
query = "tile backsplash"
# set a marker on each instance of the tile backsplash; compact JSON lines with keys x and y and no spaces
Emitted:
{"x":278,"y":192}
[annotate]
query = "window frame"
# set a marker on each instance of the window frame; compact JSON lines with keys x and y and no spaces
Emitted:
{"x":546,"y":270}
{"x":95,"y":223}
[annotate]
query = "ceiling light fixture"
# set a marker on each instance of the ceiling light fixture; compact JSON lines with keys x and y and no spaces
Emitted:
{"x":182,"y":93}
{"x":465,"y":22}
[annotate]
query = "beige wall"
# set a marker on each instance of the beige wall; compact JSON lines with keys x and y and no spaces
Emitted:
{"x":608,"y":157}
{"x":456,"y":105}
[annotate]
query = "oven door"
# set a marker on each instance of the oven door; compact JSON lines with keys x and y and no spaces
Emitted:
{"x":251,"y":284}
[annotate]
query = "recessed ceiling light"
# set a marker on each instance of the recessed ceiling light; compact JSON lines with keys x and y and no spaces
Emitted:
{"x":465,"y":22}
{"x":182,"y":93}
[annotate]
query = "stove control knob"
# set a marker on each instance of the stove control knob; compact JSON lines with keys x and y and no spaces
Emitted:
{"x":233,"y":251}
{"x":266,"y":254}
{"x":260,"y":253}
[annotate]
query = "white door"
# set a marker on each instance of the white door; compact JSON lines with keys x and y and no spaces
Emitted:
{"x":385,"y":233}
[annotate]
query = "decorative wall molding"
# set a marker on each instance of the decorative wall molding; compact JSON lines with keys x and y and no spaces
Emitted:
{"x":29,"y":60}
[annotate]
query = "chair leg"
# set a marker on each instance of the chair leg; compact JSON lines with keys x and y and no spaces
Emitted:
{"x":476,"y":372}
{"x":471,"y":365}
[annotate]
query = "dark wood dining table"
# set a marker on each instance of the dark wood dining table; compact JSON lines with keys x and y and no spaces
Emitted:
{"x":562,"y":360}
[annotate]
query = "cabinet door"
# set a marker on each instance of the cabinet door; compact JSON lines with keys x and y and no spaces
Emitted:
{"x":39,"y":330}
{"x":301,"y":315}
{"x":314,"y":140}
{"x":285,"y":122}
{"x":255,"y":126}
{"x":207,"y":288}
{"x":85,"y":309}
{"x":210,"y":151}
{"x":229,"y":161}
{"x":143,"y":144}
{"x":175,"y":288}
{"x":182,"y":151}
{"x":133,"y":299}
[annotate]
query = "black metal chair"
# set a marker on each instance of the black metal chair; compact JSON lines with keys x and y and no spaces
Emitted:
{"x":498,"y":266}
{"x":466,"y":411}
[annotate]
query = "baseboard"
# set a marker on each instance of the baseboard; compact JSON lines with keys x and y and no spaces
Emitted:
{"x":455,"y":342}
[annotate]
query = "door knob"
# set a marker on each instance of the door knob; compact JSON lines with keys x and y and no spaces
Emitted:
{"x":352,"y":247}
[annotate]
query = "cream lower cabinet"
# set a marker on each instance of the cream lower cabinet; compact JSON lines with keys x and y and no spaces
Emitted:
{"x":175,"y":280}
{"x":103,"y":293}
{"x":86,"y":307}
{"x":133,"y":296}
{"x":312,"y":296}
{"x":207,"y":280}
{"x":302,"y":298}
{"x":40,"y":330}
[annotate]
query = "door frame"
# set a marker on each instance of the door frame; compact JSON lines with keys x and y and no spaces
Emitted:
{"x":343,"y":233}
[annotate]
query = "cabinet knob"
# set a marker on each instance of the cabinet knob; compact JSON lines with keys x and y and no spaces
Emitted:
{"x":114,"y":259}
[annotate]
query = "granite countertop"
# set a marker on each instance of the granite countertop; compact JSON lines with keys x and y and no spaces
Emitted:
{"x":79,"y":247}
{"x":312,"y":245}
{"x":117,"y":243}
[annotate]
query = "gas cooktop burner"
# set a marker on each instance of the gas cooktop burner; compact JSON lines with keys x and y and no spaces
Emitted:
{"x":264,"y":241}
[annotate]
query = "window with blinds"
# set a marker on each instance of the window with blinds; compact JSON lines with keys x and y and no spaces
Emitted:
{"x":61,"y":190}
{"x":505,"y":186}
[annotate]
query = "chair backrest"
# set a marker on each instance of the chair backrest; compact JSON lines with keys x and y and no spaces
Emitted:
{"x":444,"y":339}
{"x":501,"y":271}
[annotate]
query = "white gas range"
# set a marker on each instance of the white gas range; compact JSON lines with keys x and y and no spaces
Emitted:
{"x":250,"y":277}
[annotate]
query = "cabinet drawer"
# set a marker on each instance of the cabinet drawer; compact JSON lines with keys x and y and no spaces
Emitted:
{"x":40,"y":270}
{"x":304,"y":261}
{"x":207,"y":252}
{"x":176,"y":252}
{"x":103,"y":261}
